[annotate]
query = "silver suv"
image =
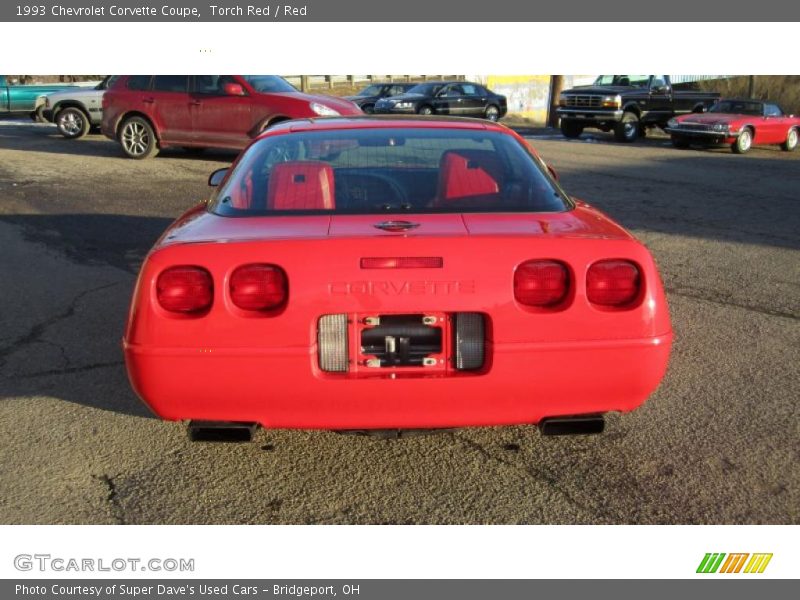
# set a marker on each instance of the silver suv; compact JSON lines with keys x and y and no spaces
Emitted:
{"x":76,"y":111}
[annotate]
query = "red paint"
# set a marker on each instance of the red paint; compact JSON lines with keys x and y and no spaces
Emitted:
{"x":571,"y":358}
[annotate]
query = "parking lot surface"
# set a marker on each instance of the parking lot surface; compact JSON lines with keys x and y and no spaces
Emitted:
{"x":719,"y":442}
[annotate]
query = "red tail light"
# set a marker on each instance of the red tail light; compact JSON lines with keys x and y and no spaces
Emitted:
{"x":185,"y":289}
{"x":612,"y":283}
{"x":258,"y":287}
{"x":541,"y":283}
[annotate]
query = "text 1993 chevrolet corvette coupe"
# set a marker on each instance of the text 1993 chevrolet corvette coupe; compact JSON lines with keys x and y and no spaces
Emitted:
{"x":391,"y":274}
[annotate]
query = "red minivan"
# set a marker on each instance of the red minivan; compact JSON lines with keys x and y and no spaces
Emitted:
{"x":145,"y":113}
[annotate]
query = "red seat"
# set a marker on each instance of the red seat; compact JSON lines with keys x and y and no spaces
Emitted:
{"x":301,"y":185}
{"x":465,"y":174}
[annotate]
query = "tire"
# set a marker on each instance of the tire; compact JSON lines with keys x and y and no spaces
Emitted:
{"x":627,"y":130}
{"x":791,"y":140}
{"x":72,"y":122}
{"x":492,"y":113}
{"x":571,"y":129}
{"x":368,"y":109}
{"x":425,"y":110}
{"x":744,"y":142}
{"x":137,"y":138}
{"x":679,"y":141}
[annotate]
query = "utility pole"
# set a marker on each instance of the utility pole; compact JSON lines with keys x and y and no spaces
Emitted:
{"x":556,"y":85}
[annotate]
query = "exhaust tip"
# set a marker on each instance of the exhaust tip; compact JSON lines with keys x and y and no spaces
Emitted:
{"x":221,"y":431}
{"x":582,"y":425}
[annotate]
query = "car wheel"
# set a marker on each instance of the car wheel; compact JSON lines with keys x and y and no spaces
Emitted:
{"x":72,"y":123}
{"x":571,"y":129}
{"x":368,"y":108}
{"x":627,"y":130}
{"x":492,"y":113}
{"x":679,"y":141}
{"x":425,"y":110}
{"x":791,"y":140}
{"x":137,"y":138}
{"x":744,"y":142}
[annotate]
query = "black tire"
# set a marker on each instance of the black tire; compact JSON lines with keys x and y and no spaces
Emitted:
{"x":571,"y":129}
{"x":368,"y":108}
{"x":72,"y":122}
{"x":425,"y":110}
{"x":679,"y":141}
{"x":743,"y":142}
{"x":492,"y":113}
{"x":627,"y":130}
{"x":137,"y":138}
{"x":790,"y":145}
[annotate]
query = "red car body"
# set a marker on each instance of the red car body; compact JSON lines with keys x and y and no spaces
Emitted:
{"x":229,"y":363}
{"x":739,"y":123}
{"x":205,"y":111}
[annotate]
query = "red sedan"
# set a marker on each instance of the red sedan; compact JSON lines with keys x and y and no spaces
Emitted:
{"x":740,"y":124}
{"x":389,"y":274}
{"x":146,"y":113}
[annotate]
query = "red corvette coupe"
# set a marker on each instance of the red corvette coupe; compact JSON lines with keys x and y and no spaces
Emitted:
{"x":385,"y":274}
{"x":741,"y":124}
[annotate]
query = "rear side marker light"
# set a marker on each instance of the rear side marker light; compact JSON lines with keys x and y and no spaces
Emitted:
{"x":332,"y":343}
{"x":402,"y":262}
{"x":258,"y":287}
{"x":468,"y":340}
{"x":613,"y":283}
{"x":185,"y":289}
{"x":541,"y":283}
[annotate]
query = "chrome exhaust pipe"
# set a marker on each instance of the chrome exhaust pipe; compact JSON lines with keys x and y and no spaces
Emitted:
{"x":221,"y":431}
{"x":580,"y":425}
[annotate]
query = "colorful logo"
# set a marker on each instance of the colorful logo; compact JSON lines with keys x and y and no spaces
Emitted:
{"x":734,"y":562}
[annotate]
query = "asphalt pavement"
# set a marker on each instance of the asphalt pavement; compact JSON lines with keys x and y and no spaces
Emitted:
{"x":719,"y":442}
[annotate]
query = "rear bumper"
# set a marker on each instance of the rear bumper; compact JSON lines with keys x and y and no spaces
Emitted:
{"x":283,"y":387}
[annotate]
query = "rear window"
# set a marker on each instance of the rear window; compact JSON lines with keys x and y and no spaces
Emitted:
{"x":369,"y":171}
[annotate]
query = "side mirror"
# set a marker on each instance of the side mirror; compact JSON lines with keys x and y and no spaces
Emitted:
{"x":661,"y":89}
{"x":217,"y":176}
{"x":553,"y":172}
{"x":233,"y":89}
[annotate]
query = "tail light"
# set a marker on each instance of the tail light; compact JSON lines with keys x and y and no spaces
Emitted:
{"x":541,"y":283}
{"x":612,"y":283}
{"x":332,"y":343}
{"x":468,"y":340}
{"x":185,"y":289}
{"x":258,"y":287}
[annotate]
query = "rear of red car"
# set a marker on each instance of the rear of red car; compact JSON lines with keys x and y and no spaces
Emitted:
{"x":304,"y":314}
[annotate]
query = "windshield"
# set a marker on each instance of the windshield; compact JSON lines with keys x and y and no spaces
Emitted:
{"x":269,"y":84}
{"x":426,"y":89}
{"x":738,"y":107}
{"x":368,"y":171}
{"x":623,"y":80}
{"x":373,"y":90}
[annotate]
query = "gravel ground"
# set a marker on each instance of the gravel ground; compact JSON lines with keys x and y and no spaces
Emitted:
{"x":718,"y":442}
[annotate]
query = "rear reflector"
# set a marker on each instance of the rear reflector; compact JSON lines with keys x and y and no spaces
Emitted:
{"x":541,"y":283}
{"x":258,"y":287}
{"x":612,"y":283}
{"x":185,"y":289}
{"x":332,"y":342}
{"x":402,"y":262}
{"x":468,"y":339}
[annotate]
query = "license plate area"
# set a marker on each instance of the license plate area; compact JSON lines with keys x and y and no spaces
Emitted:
{"x":403,"y":342}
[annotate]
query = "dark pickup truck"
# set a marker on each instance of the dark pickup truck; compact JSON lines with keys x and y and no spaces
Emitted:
{"x":627,"y":105}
